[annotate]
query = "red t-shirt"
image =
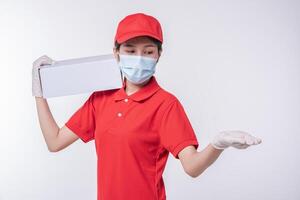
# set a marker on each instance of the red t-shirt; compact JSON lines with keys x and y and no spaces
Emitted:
{"x":133,"y":137}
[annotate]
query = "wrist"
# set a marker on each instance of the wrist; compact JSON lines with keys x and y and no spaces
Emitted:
{"x":39,"y":98}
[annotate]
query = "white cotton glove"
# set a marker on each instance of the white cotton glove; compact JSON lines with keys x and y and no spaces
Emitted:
{"x":237,"y":139}
{"x":36,"y":82}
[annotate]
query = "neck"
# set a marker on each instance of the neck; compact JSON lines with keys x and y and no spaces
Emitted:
{"x":132,"y":88}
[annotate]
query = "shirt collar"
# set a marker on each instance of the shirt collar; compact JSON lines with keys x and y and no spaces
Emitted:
{"x":143,"y":93}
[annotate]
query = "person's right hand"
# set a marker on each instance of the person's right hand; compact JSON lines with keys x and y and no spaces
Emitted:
{"x":36,"y":82}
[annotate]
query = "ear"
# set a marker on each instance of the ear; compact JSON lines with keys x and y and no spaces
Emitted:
{"x":116,"y":54}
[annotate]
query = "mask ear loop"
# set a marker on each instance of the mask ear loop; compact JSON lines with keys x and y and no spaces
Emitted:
{"x":121,"y":73}
{"x":122,"y":76}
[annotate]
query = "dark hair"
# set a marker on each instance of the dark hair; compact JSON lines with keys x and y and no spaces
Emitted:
{"x":155,"y":41}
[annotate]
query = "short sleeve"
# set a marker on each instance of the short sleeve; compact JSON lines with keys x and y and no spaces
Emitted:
{"x":82,"y":122}
{"x":176,"y":131}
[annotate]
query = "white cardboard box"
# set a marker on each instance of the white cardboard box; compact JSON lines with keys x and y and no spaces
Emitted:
{"x":80,"y":75}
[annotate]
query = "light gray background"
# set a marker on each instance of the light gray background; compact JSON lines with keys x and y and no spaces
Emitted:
{"x":233,"y":65}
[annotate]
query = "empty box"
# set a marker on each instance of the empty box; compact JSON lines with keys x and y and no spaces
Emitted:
{"x":80,"y":75}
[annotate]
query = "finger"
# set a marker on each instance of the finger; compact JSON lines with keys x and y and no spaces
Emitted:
{"x":235,"y":141}
{"x":258,"y":140}
{"x":255,"y":140}
{"x":46,"y":62}
{"x":43,"y":61}
{"x":250,"y":140}
{"x":241,"y":137}
{"x":45,"y":57}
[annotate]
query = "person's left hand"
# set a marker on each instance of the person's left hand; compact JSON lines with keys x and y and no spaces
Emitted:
{"x":235,"y":138}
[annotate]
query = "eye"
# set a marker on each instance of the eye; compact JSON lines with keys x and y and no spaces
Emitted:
{"x":149,"y":52}
{"x":129,"y":51}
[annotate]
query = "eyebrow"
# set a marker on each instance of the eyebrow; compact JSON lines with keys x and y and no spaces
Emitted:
{"x":130,"y":45}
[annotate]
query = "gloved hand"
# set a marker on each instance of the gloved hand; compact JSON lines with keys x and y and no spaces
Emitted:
{"x":237,"y":139}
{"x":36,"y":82}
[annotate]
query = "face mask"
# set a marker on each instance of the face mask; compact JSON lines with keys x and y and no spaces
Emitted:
{"x":137,"y":69}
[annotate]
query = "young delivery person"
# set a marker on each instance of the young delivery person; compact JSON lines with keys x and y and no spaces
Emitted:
{"x":134,"y":127}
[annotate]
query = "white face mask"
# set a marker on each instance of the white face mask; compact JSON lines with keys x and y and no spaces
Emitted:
{"x":137,"y":69}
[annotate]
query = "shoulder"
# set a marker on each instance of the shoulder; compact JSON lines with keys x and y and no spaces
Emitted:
{"x":103,"y":93}
{"x":168,"y":98}
{"x":97,"y":98}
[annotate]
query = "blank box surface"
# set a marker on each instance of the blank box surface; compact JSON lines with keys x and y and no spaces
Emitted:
{"x":80,"y":75}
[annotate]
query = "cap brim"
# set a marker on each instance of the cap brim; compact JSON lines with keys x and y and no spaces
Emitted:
{"x":136,"y":34}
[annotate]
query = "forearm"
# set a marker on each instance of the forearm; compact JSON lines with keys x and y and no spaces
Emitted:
{"x":47,"y":123}
{"x":199,"y":161}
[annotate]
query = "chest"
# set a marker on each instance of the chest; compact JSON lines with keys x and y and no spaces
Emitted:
{"x":128,"y":123}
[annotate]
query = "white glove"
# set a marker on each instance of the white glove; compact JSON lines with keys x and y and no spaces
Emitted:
{"x":36,"y":82}
{"x":237,"y":139}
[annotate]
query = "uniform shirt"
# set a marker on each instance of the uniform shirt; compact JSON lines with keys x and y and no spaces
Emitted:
{"x":133,"y":137}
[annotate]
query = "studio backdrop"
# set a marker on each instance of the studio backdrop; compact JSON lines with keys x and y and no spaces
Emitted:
{"x":234,"y":65}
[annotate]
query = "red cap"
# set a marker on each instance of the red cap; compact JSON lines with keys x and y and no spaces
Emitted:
{"x":138,"y":24}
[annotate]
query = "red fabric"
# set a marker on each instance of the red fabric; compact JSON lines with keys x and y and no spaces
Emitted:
{"x":138,"y":24}
{"x":133,"y":147}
